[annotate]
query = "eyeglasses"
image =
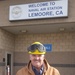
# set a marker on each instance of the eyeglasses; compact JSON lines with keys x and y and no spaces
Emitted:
{"x":40,"y":48}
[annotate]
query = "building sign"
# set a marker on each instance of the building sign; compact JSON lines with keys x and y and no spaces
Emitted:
{"x":48,"y":47}
{"x":50,"y":9}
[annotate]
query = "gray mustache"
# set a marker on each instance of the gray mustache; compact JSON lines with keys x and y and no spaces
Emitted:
{"x":36,"y":60}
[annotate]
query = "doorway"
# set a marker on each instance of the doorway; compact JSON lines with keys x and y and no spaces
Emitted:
{"x":8,"y":63}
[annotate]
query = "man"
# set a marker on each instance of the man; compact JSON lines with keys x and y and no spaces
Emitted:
{"x":37,"y":65}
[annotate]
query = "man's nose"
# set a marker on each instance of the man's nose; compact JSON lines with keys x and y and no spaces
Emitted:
{"x":37,"y":57}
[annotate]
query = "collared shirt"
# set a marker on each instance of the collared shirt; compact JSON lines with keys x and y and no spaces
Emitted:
{"x":38,"y":72}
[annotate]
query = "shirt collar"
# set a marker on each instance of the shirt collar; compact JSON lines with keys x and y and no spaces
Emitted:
{"x":36,"y":71}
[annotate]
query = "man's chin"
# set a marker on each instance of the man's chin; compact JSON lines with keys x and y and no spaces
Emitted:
{"x":37,"y":65}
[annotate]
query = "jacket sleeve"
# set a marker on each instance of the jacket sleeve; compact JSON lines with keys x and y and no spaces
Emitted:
{"x":56,"y":72}
{"x":20,"y":72}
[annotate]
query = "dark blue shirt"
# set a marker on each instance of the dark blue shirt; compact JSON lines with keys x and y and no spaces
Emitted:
{"x":38,"y":72}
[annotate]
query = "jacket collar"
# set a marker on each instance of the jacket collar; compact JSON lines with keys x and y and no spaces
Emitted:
{"x":46,"y":66}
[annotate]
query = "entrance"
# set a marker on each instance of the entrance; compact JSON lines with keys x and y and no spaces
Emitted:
{"x":9,"y":63}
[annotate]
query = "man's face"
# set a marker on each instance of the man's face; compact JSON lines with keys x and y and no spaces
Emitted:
{"x":37,"y":60}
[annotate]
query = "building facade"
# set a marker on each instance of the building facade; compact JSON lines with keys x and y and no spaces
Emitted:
{"x":62,"y":38}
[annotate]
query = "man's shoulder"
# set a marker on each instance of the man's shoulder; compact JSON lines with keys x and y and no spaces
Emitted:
{"x":21,"y":71}
{"x":55,"y":70}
